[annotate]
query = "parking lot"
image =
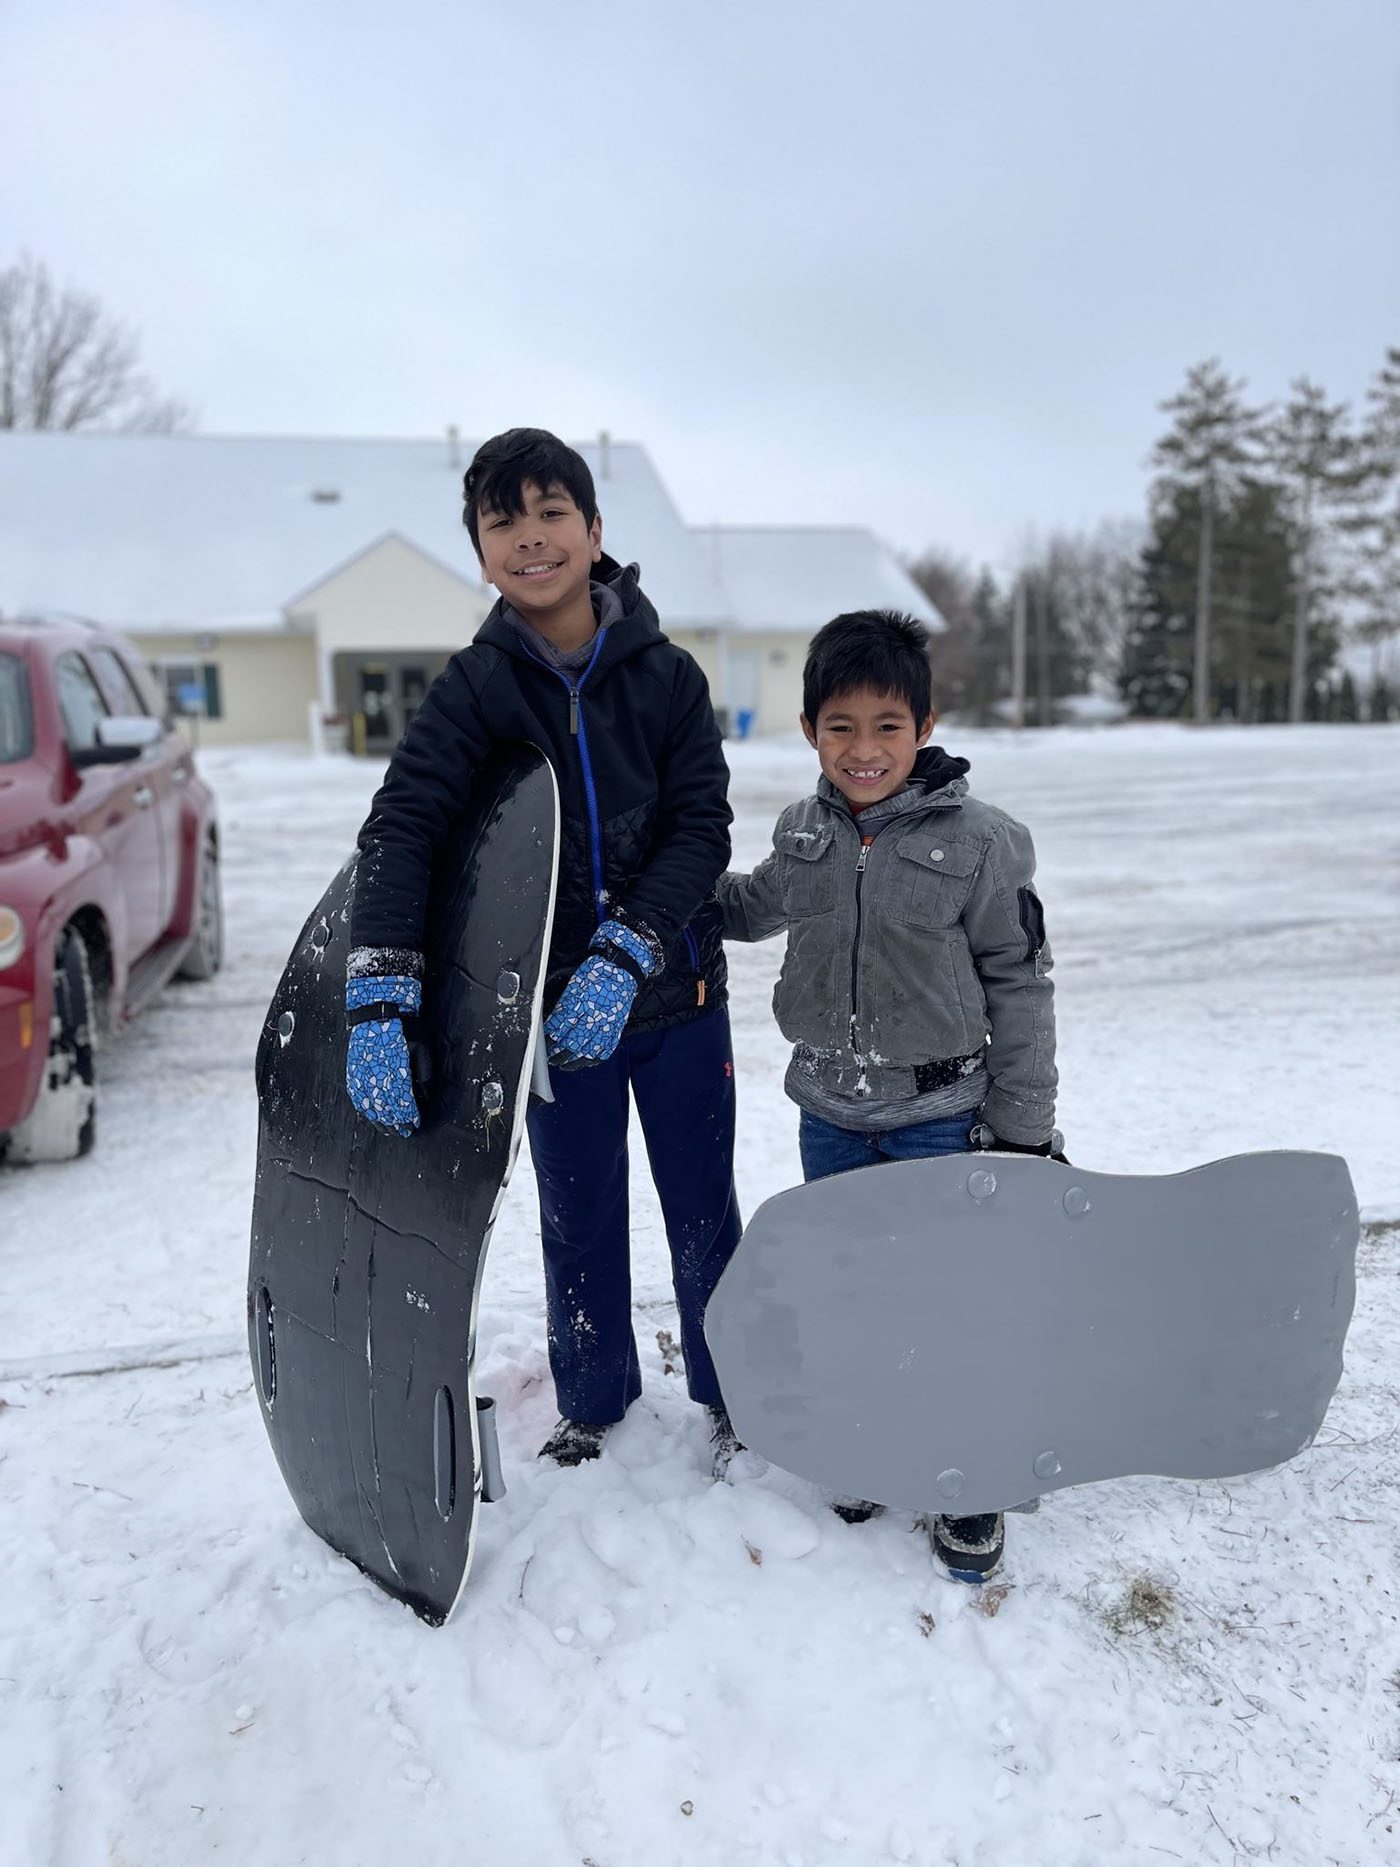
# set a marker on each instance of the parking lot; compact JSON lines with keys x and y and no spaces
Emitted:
{"x":185,"y":1671}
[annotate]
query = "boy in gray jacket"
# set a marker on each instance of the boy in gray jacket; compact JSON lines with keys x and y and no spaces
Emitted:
{"x":915,"y":989}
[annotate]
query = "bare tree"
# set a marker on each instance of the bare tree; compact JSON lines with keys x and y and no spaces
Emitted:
{"x":969,"y":655}
{"x":66,"y":363}
{"x":1091,"y":581}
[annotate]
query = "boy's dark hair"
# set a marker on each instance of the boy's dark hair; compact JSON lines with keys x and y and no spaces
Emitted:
{"x":502,"y":466}
{"x":882,"y":649}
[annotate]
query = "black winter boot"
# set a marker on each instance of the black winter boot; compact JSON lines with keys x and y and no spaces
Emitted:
{"x":856,"y":1509}
{"x":574,"y":1442}
{"x":970,"y":1548}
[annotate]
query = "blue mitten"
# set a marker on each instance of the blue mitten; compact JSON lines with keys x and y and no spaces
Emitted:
{"x":586,"y":1025}
{"x":378,"y":1074}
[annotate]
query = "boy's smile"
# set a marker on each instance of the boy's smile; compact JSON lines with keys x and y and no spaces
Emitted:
{"x":867,"y":743}
{"x":541,"y":560}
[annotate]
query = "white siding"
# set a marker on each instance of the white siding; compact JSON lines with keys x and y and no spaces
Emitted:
{"x":705,"y":645}
{"x":265,"y":682}
{"x":781,"y":654}
{"x":393,"y":598}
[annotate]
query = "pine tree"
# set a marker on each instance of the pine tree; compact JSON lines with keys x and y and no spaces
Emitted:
{"x":991,"y":648}
{"x":1156,"y":677}
{"x":1253,"y":605}
{"x":1210,"y":451}
{"x":1079,"y":591}
{"x":1313,"y":461}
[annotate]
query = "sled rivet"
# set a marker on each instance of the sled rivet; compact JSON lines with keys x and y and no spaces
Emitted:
{"x":951,"y":1482}
{"x":321,"y":934}
{"x":1047,"y":1466}
{"x":981,"y":1183}
{"x":286,"y":1024}
{"x":493,"y":1098}
{"x":1076,"y":1202}
{"x":508,"y":987}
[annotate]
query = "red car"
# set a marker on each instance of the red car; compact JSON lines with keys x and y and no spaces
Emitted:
{"x":109,"y":870}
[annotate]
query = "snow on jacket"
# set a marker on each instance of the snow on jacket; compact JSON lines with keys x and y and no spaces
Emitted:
{"x":935,"y":948}
{"x":643,"y":796}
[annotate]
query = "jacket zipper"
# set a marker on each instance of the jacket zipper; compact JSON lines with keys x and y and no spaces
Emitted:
{"x":595,"y":836}
{"x":855,"y":950}
{"x":579,"y":732}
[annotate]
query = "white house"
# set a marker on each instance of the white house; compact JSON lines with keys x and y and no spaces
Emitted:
{"x":274,"y":582}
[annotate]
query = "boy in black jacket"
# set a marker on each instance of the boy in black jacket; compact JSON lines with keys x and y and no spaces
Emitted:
{"x":572,"y":658}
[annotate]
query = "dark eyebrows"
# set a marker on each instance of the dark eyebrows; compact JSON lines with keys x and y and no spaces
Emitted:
{"x":553,"y":494}
{"x":897,"y":714}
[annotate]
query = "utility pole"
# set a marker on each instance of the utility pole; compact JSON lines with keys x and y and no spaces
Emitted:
{"x":1018,"y":656}
{"x":1201,"y":707}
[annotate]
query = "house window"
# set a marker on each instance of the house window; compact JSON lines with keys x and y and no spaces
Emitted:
{"x":192,"y":688}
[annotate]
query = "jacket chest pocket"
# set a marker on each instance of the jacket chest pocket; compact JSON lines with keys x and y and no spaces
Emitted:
{"x":808,"y":871}
{"x":932,"y":878}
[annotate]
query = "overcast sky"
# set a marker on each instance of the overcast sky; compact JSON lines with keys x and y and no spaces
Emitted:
{"x":928,"y":267}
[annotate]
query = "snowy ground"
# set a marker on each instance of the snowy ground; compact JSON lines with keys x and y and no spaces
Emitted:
{"x":1201,"y":1673}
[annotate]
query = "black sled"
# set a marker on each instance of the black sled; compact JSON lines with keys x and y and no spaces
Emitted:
{"x":367,"y":1250}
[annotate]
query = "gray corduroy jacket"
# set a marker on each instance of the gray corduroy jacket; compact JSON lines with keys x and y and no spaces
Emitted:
{"x":925,"y":946}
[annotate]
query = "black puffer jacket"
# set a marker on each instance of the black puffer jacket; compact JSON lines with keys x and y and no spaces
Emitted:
{"x":642,"y":791}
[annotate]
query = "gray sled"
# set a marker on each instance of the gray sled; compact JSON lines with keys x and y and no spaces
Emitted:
{"x":968,"y":1333}
{"x":367,"y":1250}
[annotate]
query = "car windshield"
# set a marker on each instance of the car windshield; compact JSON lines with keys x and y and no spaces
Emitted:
{"x":16,"y":729}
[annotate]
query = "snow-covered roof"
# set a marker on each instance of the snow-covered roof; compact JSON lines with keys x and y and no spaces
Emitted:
{"x":800,"y":576}
{"x":226,"y":625}
{"x":150,"y":531}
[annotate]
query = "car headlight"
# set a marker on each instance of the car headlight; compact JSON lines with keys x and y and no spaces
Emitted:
{"x":11,"y":937}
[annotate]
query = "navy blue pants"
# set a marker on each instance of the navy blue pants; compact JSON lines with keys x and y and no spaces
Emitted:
{"x":683,"y":1081}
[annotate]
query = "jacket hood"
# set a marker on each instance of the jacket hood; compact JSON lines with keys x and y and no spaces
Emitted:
{"x":638,"y":627}
{"x":934,"y":768}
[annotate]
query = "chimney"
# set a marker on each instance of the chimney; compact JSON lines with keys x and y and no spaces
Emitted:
{"x":604,"y":455}
{"x":454,"y":452}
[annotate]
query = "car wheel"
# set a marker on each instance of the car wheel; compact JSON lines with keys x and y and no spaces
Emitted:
{"x":206,"y":950}
{"x":62,"y":1125}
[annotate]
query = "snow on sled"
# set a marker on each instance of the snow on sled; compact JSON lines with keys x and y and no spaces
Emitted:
{"x":967,"y":1333}
{"x":367,"y":1250}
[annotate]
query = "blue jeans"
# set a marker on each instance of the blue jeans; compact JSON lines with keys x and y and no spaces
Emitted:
{"x":827,"y":1149}
{"x":682,"y":1080}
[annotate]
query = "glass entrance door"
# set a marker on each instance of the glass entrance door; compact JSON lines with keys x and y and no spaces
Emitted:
{"x":376,"y":704}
